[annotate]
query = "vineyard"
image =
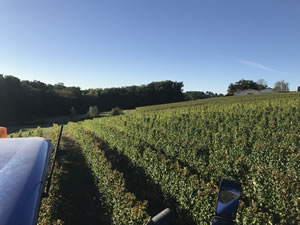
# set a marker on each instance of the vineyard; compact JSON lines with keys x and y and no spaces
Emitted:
{"x":166,"y":156}
{"x":186,"y":151}
{"x":219,"y":100}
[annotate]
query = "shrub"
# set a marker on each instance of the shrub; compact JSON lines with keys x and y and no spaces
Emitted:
{"x":116,"y":111}
{"x":93,"y":111}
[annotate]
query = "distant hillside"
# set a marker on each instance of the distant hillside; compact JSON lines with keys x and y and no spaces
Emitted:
{"x":220,"y":100}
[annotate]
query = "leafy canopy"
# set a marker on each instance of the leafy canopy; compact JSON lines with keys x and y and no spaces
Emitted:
{"x":244,"y":85}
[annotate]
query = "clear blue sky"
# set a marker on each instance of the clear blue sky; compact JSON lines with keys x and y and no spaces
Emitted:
{"x":207,"y":44}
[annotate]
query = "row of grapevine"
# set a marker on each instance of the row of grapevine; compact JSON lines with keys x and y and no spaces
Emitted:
{"x":194,"y":198}
{"x":122,"y":205}
{"x":265,"y":129}
{"x":220,"y":100}
{"x":187,"y":151}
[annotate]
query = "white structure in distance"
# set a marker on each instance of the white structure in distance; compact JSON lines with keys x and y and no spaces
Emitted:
{"x":254,"y":92}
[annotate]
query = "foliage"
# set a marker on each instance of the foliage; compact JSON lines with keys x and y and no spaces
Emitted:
{"x":116,"y":111}
{"x":281,"y":86}
{"x":93,"y":112}
{"x":188,"y":150}
{"x":25,"y":101}
{"x":48,"y":211}
{"x":37,"y":132}
{"x":220,"y":100}
{"x":194,"y":95}
{"x":243,"y":85}
{"x":124,"y":207}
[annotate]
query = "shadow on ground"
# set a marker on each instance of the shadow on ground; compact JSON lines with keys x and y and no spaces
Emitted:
{"x":79,"y":199}
{"x":143,"y":187}
{"x":79,"y":204}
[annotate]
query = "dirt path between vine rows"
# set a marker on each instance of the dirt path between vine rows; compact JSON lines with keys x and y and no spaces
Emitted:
{"x":79,"y":199}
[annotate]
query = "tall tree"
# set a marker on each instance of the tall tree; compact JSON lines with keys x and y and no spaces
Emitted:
{"x":281,"y":86}
{"x":262,"y":83}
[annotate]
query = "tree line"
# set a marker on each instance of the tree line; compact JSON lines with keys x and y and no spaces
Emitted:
{"x":22,"y":101}
{"x":194,"y":95}
{"x":279,"y":86}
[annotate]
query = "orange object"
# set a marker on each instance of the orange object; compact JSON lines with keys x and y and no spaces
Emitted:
{"x":3,"y":132}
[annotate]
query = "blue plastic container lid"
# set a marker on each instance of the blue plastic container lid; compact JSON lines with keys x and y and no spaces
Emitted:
{"x":24,"y":165}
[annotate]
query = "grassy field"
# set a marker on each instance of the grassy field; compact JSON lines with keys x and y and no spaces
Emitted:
{"x":175,"y":155}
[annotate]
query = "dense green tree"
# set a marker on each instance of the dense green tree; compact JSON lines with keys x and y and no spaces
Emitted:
{"x":194,"y":95}
{"x":244,"y":85}
{"x":24,"y":101}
